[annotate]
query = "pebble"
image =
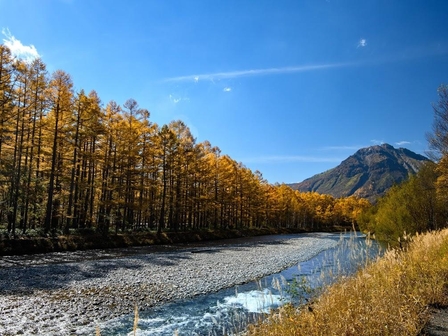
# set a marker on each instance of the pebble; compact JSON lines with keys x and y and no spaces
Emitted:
{"x":72,"y":298}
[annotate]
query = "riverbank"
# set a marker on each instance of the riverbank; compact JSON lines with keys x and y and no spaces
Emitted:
{"x":81,"y":242}
{"x":392,"y":296}
{"x":73,"y":298}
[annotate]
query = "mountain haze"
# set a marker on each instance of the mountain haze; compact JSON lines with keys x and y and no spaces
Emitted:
{"x":368,"y":173}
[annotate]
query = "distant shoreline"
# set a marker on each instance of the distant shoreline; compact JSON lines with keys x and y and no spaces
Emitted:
{"x":36,"y":245}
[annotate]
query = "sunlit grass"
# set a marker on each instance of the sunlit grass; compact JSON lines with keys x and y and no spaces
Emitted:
{"x":388,"y":297}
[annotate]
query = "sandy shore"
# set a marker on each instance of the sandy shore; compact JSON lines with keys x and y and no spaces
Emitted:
{"x":71,"y":298}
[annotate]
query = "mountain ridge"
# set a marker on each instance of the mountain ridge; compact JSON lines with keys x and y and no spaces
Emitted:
{"x":368,"y":173}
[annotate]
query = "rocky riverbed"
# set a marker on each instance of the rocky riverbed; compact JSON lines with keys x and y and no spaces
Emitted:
{"x":71,"y":298}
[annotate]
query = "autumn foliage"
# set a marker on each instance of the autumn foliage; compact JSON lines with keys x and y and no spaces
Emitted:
{"x":419,"y":204}
{"x":68,"y":162}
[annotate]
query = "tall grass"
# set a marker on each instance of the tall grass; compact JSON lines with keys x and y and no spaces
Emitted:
{"x":390,"y":296}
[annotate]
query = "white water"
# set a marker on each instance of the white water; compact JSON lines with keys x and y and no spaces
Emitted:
{"x":228,"y":311}
{"x":255,"y":301}
{"x":200,"y":316}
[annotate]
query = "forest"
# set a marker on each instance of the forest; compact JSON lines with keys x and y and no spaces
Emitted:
{"x":69,"y":163}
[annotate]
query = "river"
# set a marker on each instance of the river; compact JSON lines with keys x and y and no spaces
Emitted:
{"x":229,"y":310}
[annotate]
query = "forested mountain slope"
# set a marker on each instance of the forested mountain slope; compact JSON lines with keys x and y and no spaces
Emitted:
{"x":368,"y":173}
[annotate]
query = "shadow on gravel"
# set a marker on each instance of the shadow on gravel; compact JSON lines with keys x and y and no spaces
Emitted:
{"x":25,"y":274}
{"x":25,"y":280}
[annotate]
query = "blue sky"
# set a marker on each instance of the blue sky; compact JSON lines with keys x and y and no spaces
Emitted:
{"x":289,"y":88}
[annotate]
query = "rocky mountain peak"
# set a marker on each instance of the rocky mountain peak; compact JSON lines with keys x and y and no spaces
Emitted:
{"x":368,"y":173}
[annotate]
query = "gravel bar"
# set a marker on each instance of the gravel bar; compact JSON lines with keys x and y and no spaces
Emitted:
{"x":71,"y":298}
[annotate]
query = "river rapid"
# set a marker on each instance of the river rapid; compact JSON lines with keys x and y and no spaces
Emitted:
{"x":228,"y":311}
{"x":204,"y":289}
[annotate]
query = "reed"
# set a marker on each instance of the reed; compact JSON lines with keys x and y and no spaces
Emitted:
{"x":135,"y":320}
{"x":389,"y":296}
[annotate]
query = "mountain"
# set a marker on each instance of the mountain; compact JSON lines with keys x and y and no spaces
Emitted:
{"x":368,"y":173}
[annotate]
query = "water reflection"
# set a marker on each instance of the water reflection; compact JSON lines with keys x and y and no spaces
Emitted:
{"x":228,"y":311}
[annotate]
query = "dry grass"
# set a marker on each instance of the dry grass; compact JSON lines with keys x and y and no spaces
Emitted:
{"x":135,"y":320}
{"x":388,"y":297}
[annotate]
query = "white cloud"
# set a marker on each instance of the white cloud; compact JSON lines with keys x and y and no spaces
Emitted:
{"x":377,"y":142}
{"x":401,"y":143}
{"x":227,"y":89}
{"x":26,"y":53}
{"x":362,"y":43}
{"x":175,"y":100}
{"x":254,"y":72}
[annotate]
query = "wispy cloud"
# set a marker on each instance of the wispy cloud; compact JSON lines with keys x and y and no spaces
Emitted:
{"x":377,"y":142}
{"x":24,"y":52}
{"x":373,"y":142}
{"x":227,"y":89}
{"x":254,"y":72}
{"x":292,"y":158}
{"x":175,"y":100}
{"x":362,"y":43}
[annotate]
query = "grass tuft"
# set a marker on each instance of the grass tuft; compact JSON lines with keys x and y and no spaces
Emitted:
{"x":390,"y":296}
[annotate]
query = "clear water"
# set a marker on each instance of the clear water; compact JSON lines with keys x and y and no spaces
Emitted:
{"x":228,"y":311}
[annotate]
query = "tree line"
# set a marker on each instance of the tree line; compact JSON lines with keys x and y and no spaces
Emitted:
{"x":67,"y":162}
